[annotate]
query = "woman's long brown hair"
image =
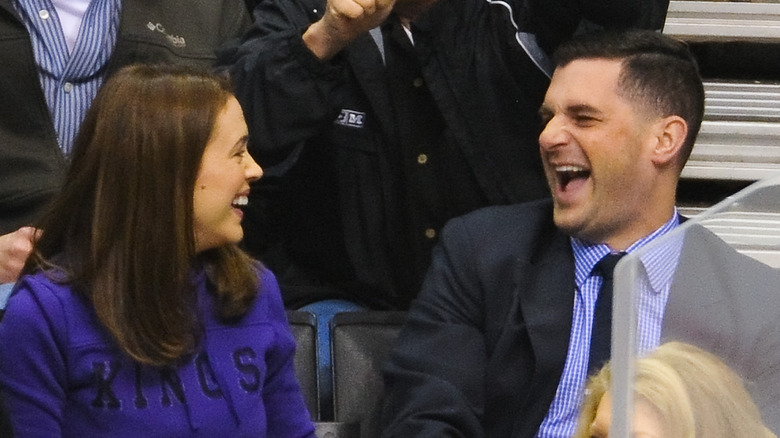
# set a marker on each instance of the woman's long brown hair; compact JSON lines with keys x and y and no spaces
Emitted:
{"x":121,"y":230}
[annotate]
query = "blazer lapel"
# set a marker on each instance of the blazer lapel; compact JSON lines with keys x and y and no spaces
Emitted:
{"x":546,"y":304}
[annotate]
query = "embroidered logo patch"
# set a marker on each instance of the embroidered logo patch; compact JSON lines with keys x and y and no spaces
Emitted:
{"x":351,"y":119}
{"x":176,"y":40}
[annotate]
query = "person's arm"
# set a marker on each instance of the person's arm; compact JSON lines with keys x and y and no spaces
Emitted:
{"x":286,"y":411}
{"x":32,"y":365}
{"x":343,"y":21}
{"x":14,"y":249}
{"x":288,"y":93}
{"x":435,"y":377}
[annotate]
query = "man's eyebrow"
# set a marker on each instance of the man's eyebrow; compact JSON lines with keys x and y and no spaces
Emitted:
{"x":582,"y":108}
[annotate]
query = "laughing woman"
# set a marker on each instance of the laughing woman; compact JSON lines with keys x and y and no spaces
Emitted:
{"x":138,"y":316}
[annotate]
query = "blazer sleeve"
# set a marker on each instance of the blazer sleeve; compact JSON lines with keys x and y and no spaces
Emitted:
{"x":434,"y":379}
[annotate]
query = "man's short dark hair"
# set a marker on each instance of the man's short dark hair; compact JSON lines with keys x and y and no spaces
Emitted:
{"x":659,"y":72}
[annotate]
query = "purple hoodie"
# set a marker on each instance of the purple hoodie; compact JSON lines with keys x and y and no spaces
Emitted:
{"x":61,"y":374}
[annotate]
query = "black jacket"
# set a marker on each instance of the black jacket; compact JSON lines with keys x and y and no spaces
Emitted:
{"x":331,"y":217}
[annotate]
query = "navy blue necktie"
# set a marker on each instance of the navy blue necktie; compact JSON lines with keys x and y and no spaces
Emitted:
{"x":601,"y":337}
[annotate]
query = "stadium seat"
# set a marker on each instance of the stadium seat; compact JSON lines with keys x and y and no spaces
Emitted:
{"x":303,"y":325}
{"x":360,"y":344}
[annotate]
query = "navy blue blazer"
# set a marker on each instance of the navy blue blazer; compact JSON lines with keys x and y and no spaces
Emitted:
{"x":484,"y":346}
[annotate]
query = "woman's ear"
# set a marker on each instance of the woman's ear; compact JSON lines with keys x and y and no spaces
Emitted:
{"x":670,"y":134}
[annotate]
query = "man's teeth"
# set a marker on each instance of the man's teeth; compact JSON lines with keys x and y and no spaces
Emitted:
{"x":241,"y":201}
{"x":568,"y":173}
{"x":569,"y":169}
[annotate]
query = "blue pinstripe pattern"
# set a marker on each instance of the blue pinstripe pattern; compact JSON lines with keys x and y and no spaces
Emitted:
{"x":70,"y":80}
{"x":659,"y":265}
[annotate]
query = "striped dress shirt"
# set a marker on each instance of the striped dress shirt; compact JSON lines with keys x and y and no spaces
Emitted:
{"x":70,"y":80}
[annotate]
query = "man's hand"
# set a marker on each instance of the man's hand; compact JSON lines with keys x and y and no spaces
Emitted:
{"x":343,"y":21}
{"x":14,"y":249}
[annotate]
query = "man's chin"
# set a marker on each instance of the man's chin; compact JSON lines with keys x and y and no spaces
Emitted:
{"x":566,"y":221}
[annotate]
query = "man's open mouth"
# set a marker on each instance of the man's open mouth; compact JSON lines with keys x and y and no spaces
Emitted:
{"x":568,"y":174}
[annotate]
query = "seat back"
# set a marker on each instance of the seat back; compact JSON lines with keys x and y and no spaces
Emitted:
{"x":303,"y":325}
{"x":360,"y":345}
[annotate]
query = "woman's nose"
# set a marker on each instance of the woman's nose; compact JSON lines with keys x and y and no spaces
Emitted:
{"x":253,"y":170}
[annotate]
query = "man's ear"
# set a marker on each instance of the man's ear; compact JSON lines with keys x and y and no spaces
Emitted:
{"x":670,"y":133}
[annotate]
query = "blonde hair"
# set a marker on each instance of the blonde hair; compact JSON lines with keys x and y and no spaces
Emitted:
{"x":694,"y":393}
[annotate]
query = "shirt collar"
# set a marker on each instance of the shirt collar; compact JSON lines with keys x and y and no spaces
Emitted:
{"x":659,"y":262}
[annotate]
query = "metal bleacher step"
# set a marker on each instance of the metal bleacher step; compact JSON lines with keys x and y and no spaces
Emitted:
{"x":740,"y":134}
{"x":730,"y":21}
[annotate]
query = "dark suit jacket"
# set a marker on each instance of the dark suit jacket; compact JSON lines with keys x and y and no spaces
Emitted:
{"x":485,"y":343}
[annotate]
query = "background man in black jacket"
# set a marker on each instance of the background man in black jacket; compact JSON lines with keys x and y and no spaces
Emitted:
{"x":379,"y":120}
